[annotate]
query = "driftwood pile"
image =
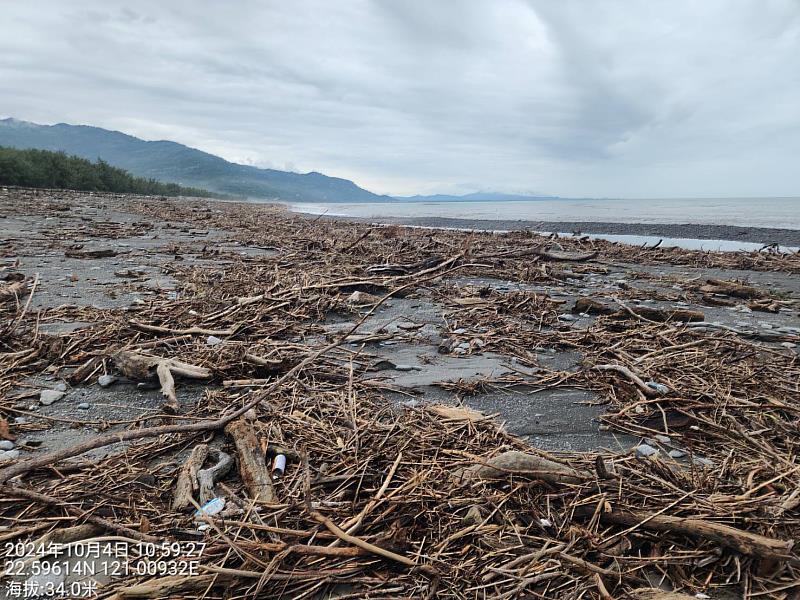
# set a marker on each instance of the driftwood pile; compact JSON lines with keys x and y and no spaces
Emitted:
{"x":382,"y":501}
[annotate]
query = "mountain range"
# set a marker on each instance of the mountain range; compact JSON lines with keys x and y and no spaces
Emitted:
{"x":175,"y":163}
{"x":476,"y":197}
{"x":171,"y":162}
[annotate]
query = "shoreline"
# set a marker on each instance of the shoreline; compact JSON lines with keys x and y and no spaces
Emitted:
{"x":736,"y":233}
{"x":394,"y":356}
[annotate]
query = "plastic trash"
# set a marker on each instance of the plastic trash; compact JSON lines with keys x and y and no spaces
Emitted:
{"x":659,"y":387}
{"x":279,"y":466}
{"x":212,"y":507}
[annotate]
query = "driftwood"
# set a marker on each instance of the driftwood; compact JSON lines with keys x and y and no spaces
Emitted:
{"x":252,"y":466}
{"x":731,"y":288}
{"x":659,"y":315}
{"x":514,"y":462}
{"x":632,"y":377}
{"x":49,"y":458}
{"x":167,"y":387}
{"x":408,"y":269}
{"x":169,"y":587}
{"x":140,"y":366}
{"x":82,"y":253}
{"x":187,"y":331}
{"x":207,"y":477}
{"x":545,"y":253}
{"x":592,"y":307}
{"x":187,"y":483}
{"x":745,"y":542}
{"x":67,"y":535}
{"x":271,"y":364}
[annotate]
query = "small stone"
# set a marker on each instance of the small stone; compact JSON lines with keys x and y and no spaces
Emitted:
{"x":20,"y":420}
{"x":789,"y":345}
{"x":702,"y":462}
{"x":47,"y":397}
{"x":7,"y":455}
{"x":677,"y":453}
{"x":60,"y":386}
{"x":6,"y":445}
{"x":643,"y":451}
{"x":83,"y":406}
{"x":362,"y":298}
{"x":106,"y":380}
{"x":213,"y":340}
{"x":406,"y":368}
{"x":566,"y":317}
{"x":459,"y":331}
{"x":664,"y":439}
{"x":473,"y":516}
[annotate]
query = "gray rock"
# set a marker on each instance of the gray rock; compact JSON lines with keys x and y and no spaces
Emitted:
{"x":83,"y":406}
{"x":677,"y":453}
{"x":60,"y":386}
{"x":789,"y":345}
{"x":664,"y":439}
{"x":47,"y":397}
{"x":213,"y":340}
{"x":644,"y":450}
{"x":567,"y":317}
{"x":7,"y":455}
{"x":6,"y":445}
{"x":702,"y":462}
{"x":407,"y":368}
{"x":106,"y":380}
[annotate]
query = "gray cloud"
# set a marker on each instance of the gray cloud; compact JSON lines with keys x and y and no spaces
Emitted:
{"x":634,"y":98}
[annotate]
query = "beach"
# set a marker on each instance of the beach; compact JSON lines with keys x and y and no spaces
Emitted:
{"x":447,"y":402}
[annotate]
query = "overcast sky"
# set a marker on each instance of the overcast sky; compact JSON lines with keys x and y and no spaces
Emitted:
{"x":615,"y":98}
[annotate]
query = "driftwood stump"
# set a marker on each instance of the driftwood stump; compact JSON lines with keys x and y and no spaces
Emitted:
{"x":141,"y":366}
{"x":187,"y":483}
{"x":252,"y":466}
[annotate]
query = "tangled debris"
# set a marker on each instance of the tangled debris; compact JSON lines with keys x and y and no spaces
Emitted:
{"x":385,"y":500}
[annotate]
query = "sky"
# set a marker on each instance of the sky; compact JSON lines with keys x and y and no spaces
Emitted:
{"x":635,"y":98}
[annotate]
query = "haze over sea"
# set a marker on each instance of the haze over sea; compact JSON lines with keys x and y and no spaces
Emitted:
{"x":782,"y":213}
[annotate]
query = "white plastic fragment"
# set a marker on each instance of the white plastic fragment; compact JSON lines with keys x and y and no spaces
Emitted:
{"x":212,"y":507}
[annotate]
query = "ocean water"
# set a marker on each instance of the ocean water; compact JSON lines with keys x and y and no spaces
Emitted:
{"x":781,"y":213}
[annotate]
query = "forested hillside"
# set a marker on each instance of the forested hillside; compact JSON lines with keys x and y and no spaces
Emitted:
{"x":45,"y":169}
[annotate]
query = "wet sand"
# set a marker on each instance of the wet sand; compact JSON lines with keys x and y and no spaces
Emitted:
{"x":758,"y":235}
